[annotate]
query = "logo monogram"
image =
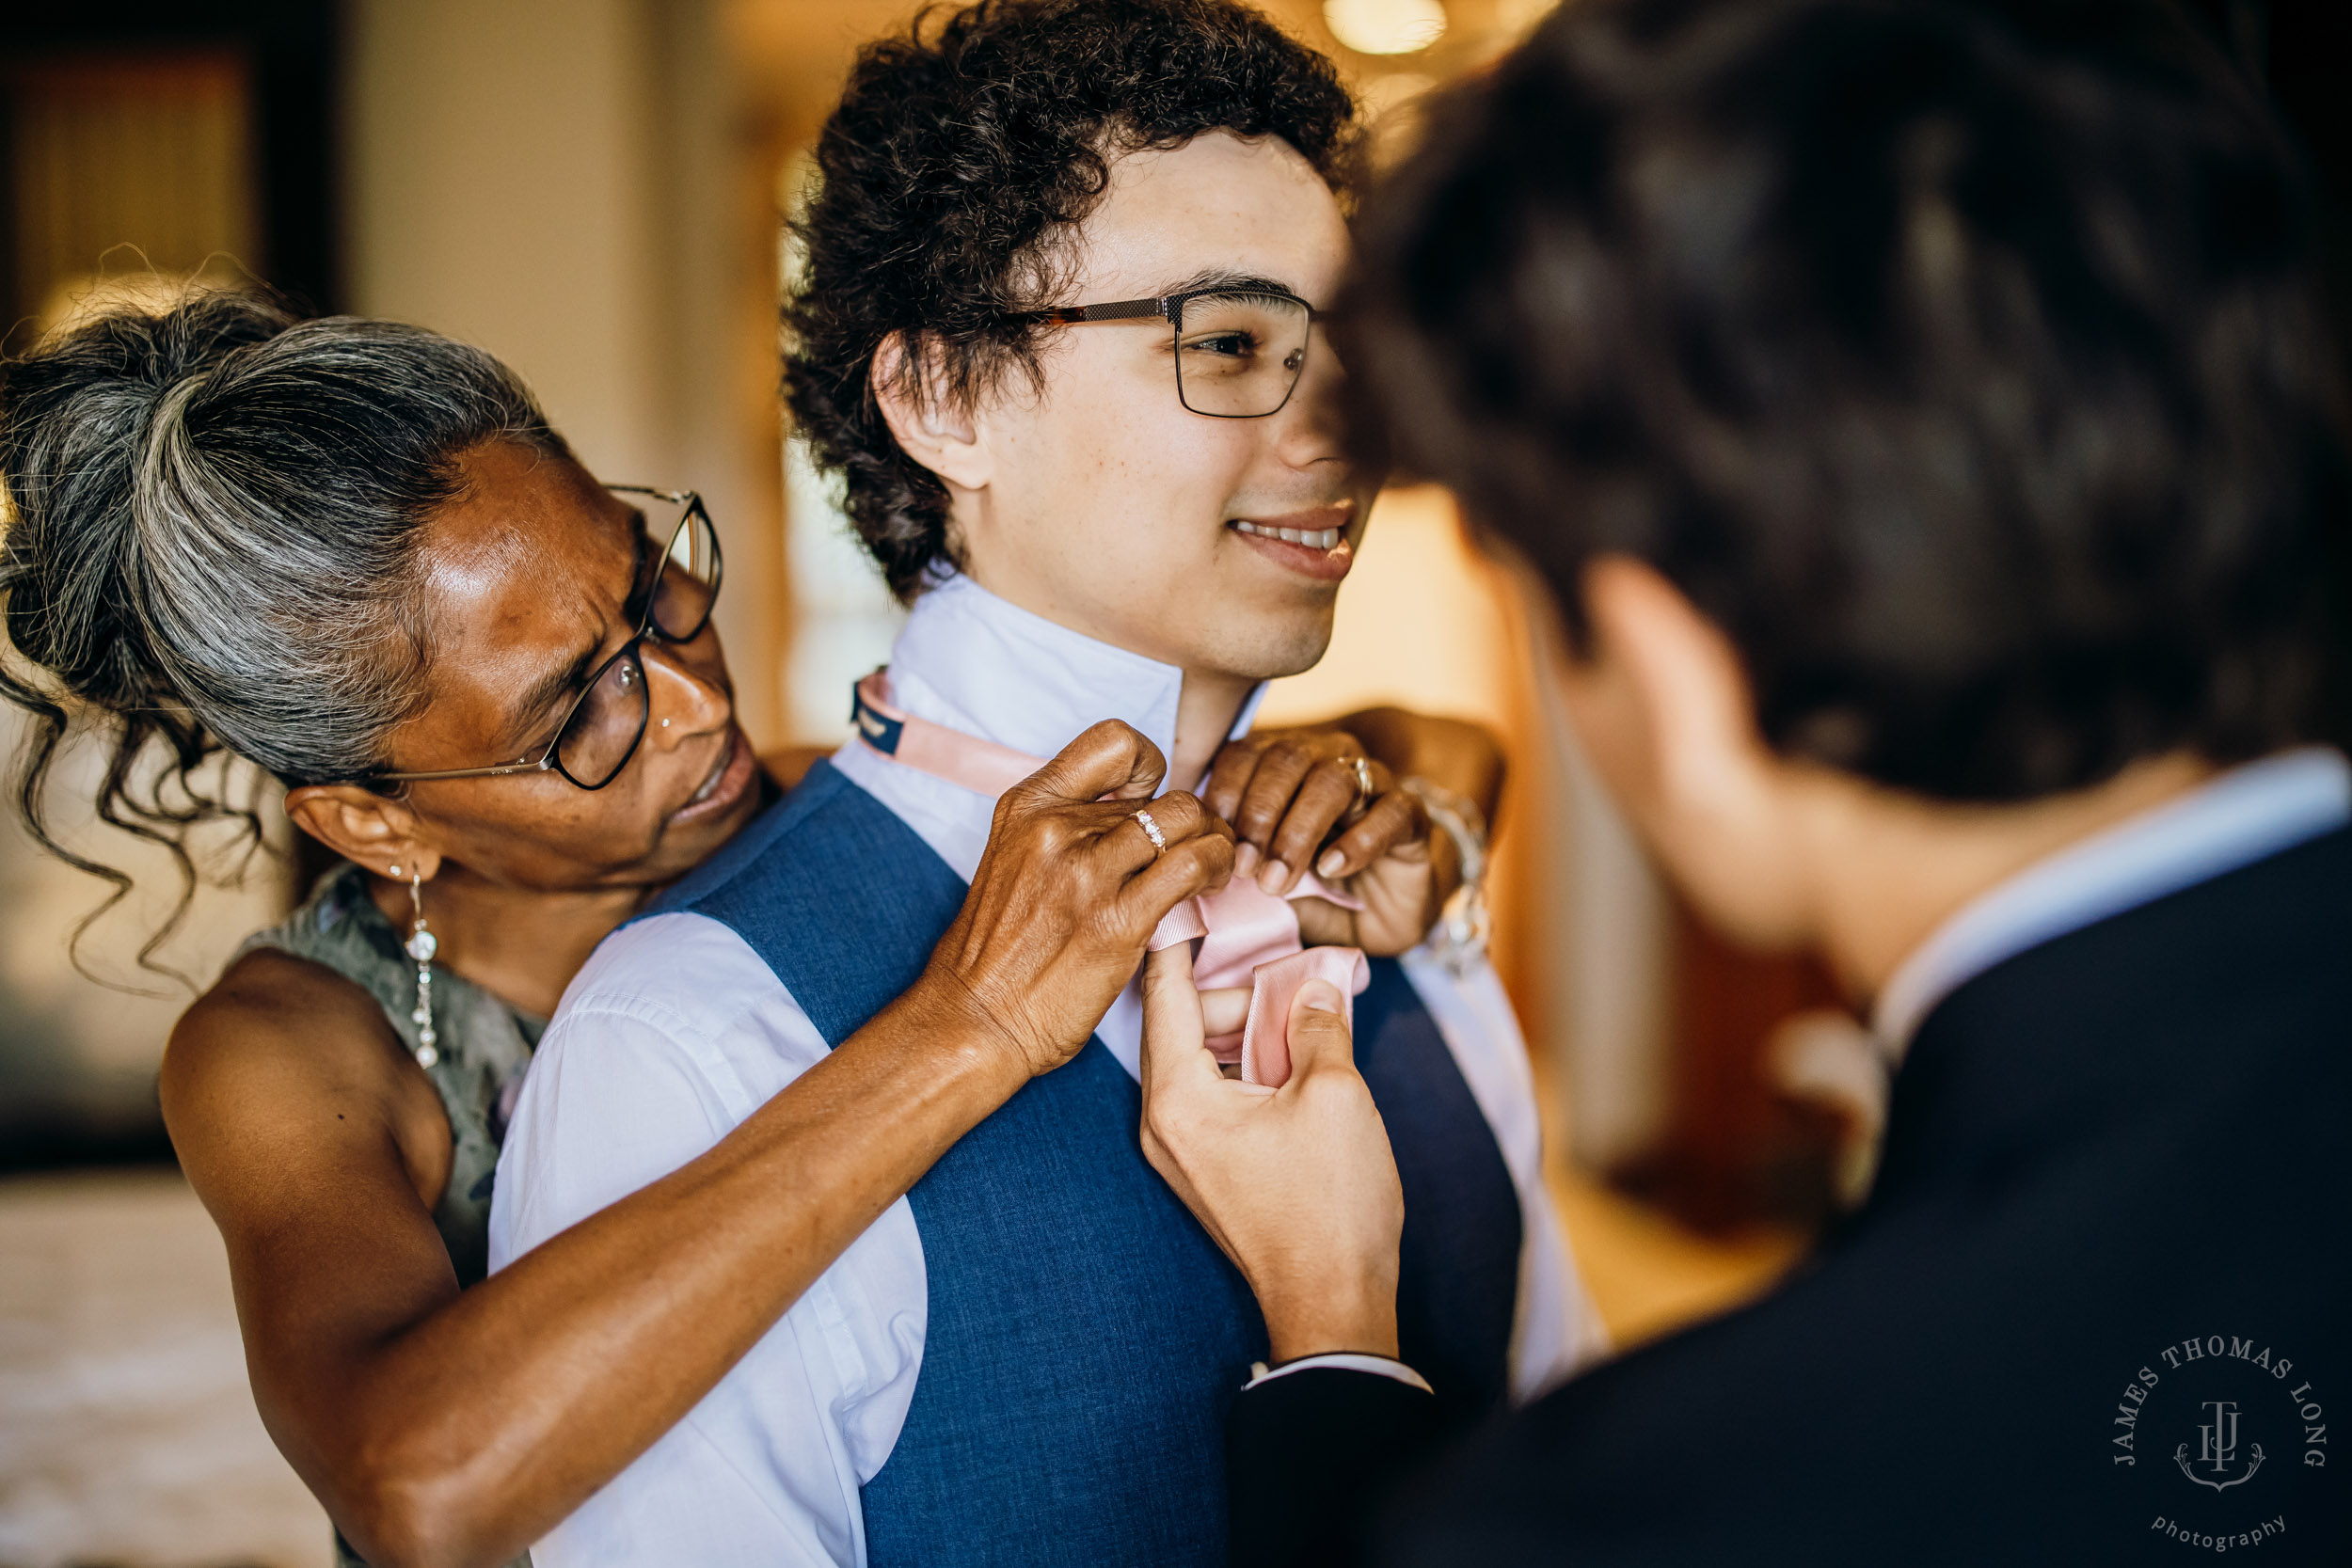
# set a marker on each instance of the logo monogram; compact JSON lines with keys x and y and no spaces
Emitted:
{"x":2217,"y":1448}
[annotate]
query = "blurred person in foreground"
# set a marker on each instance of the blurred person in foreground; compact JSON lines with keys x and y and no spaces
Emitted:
{"x":1925,"y":418}
{"x":353,"y":554}
{"x":1059,"y":334}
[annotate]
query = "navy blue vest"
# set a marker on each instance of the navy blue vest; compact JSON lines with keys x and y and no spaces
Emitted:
{"x":1085,"y":1336}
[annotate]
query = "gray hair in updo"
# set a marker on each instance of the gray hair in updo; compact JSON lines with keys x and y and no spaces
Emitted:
{"x":213,"y":530}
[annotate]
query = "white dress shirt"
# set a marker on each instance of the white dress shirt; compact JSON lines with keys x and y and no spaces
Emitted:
{"x":674,"y":1032}
{"x":2231,"y":820}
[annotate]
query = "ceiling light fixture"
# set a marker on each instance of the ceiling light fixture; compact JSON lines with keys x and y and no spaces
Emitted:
{"x":1385,"y":26}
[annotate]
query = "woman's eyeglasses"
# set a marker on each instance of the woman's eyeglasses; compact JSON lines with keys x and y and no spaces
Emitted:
{"x":601,"y":730}
{"x":1239,"y":351}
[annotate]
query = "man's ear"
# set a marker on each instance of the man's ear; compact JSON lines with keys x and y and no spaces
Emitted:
{"x":1691,"y":706}
{"x":1668,"y":714}
{"x":375,"y":830}
{"x":928,"y":420}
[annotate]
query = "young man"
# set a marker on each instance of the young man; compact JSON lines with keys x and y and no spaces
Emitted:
{"x":1925,"y":418}
{"x":1059,"y":332}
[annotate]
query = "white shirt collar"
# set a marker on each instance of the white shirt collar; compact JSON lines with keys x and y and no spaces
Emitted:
{"x":986,"y":667}
{"x":2245,"y":815}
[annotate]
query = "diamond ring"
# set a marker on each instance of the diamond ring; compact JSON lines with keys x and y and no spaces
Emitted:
{"x":1151,"y":831}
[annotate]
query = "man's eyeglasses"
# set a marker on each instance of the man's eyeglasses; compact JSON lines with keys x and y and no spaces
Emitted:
{"x":1239,"y":351}
{"x":601,"y":729}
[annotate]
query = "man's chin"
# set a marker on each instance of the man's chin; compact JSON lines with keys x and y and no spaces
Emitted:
{"x":1280,"y":646}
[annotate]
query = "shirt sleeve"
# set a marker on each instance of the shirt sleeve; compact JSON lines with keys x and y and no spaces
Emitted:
{"x":1346,"y":1361}
{"x":672,"y":1036}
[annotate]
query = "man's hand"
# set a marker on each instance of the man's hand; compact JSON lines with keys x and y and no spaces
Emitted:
{"x":1286,"y":791}
{"x":1069,"y":890}
{"x":1297,"y":1185}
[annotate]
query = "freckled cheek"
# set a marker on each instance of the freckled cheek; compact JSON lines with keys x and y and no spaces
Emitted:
{"x":1117,"y":449}
{"x":610,"y":826}
{"x":1186,"y":480}
{"x":591,"y":818}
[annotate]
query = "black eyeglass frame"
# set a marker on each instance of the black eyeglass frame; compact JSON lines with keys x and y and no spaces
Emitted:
{"x":1170,"y":307}
{"x":647,"y":626}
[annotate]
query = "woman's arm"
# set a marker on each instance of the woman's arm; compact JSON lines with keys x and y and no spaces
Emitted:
{"x":449,"y":1428}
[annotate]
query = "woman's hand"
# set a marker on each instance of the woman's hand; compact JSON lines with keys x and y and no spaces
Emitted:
{"x":1298,"y":802}
{"x":1070,"y":889}
{"x":1297,"y":1185}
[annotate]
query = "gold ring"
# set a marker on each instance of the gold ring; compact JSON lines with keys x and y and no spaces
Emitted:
{"x":1151,"y":831}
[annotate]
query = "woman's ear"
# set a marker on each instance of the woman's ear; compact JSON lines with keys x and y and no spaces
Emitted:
{"x":375,"y":830}
{"x":928,"y":420}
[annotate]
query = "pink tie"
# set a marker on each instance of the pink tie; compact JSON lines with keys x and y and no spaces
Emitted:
{"x":1247,"y":936}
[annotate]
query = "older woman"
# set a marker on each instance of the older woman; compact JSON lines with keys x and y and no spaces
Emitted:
{"x":356,"y":555}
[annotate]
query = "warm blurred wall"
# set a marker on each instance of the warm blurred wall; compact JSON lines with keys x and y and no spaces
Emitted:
{"x":183,"y":135}
{"x":133,"y":159}
{"x":500,"y":187}
{"x":582,"y":188}
{"x":187,"y":139}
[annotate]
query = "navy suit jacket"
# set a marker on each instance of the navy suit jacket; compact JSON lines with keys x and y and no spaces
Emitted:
{"x":2098,"y":1309}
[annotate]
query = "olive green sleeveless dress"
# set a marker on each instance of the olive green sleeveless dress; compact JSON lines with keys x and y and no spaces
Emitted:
{"x":483,"y":1045}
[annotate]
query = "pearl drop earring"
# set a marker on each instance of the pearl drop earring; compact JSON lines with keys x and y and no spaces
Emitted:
{"x":422,"y":944}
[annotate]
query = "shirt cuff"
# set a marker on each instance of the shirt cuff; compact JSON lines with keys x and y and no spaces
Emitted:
{"x":1346,"y":1361}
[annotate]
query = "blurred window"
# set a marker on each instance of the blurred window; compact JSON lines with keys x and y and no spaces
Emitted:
{"x":843,"y":619}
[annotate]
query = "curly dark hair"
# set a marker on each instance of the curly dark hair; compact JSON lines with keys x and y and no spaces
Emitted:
{"x":962,"y":150}
{"x":1964,"y":361}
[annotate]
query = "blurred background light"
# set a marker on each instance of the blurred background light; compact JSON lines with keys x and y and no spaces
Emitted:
{"x":1383,"y":95}
{"x":1385,"y":26}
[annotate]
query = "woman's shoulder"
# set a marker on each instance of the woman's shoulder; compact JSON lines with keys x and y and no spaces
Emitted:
{"x":292,"y":1018}
{"x":305,"y":975}
{"x":283,"y":1058}
{"x":273,"y":1002}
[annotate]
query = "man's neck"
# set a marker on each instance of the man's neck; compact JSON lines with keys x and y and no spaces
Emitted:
{"x":1893,"y":868}
{"x":968,"y":625}
{"x":1205,"y":714}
